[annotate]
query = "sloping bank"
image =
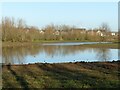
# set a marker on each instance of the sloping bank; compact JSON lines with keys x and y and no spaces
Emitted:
{"x":62,"y":75}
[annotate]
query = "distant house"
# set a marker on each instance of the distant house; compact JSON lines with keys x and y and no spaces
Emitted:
{"x":114,"y":33}
{"x":96,"y":32}
{"x":41,"y":32}
{"x":100,"y":33}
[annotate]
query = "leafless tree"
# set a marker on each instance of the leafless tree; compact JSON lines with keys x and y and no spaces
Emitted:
{"x":105,"y":27}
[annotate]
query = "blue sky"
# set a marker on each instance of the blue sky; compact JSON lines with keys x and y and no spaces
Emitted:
{"x":80,"y":14}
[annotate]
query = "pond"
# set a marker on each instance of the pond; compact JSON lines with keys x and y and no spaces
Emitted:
{"x":57,"y":53}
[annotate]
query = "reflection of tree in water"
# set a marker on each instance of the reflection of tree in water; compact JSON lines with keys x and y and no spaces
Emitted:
{"x":16,"y":54}
{"x":12,"y":55}
{"x":103,"y":54}
{"x":62,"y":50}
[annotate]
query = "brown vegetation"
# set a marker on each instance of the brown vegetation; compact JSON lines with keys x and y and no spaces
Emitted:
{"x":13,"y":31}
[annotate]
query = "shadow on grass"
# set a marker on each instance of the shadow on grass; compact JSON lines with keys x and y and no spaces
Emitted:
{"x":19,"y":79}
{"x":67,"y":78}
{"x":69,"y":75}
{"x":75,"y":79}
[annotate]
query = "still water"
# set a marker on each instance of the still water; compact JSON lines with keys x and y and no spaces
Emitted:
{"x":57,"y":53}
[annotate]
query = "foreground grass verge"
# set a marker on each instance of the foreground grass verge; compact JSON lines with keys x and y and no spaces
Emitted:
{"x":62,"y":75}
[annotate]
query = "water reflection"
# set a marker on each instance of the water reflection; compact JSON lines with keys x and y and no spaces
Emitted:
{"x":19,"y":55}
{"x":103,"y":54}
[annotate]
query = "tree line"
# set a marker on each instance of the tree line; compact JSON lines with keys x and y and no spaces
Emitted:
{"x":18,"y":31}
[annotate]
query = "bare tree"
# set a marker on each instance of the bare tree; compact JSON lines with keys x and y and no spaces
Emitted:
{"x":105,"y":27}
{"x":21,"y":24}
{"x":49,"y":30}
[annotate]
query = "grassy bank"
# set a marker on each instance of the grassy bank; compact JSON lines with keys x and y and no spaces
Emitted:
{"x":104,"y":45}
{"x":62,"y":75}
{"x":99,"y":45}
{"x":19,"y":44}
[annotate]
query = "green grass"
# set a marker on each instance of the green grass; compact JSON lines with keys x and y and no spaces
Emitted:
{"x":62,"y":75}
{"x":104,"y":45}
